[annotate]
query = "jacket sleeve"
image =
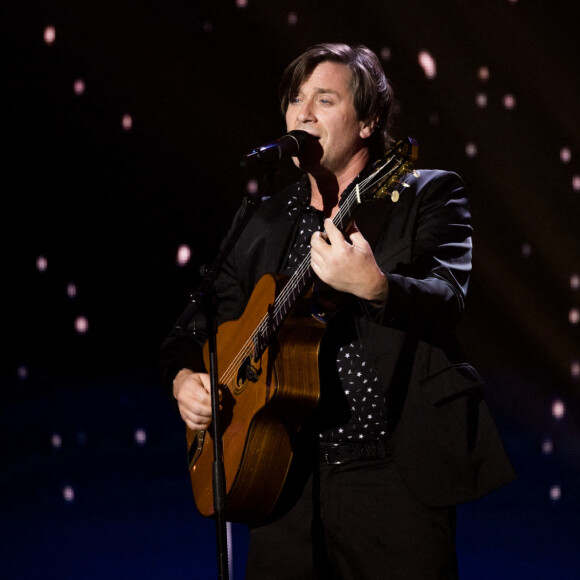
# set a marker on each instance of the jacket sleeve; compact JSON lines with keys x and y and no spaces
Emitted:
{"x":429,"y":265}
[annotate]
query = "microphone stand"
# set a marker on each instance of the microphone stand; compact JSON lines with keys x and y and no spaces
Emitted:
{"x":204,"y":298}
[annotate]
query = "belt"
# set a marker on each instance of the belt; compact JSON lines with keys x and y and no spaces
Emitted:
{"x":340,"y":452}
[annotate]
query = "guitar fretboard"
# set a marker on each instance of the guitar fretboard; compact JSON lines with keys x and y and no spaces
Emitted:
{"x":382,"y":179}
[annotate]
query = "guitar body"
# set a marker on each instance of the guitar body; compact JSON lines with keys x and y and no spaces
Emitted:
{"x":260,"y":415}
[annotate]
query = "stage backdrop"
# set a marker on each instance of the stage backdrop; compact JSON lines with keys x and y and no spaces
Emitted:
{"x":124,"y":126}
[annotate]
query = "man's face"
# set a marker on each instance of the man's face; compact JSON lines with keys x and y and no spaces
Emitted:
{"x":324,"y":108}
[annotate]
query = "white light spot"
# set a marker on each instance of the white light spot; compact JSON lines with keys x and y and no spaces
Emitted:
{"x":81,"y":324}
{"x":483,"y":73}
{"x":71,"y":290}
{"x":547,"y":446}
{"x":241,"y":3}
{"x":252,"y":186}
{"x":140,"y":436}
{"x":386,"y":53}
{"x":565,"y":155}
{"x":575,"y":369}
{"x":49,"y":34}
{"x":183,"y":255}
{"x":79,"y":87}
{"x":41,"y":263}
{"x":574,"y":281}
{"x":207,"y":26}
{"x":509,"y":102}
{"x":22,"y":372}
{"x":481,"y":100}
{"x":558,"y":409}
{"x":56,"y":441}
{"x":526,"y":250}
{"x":576,"y":183}
{"x":68,"y":493}
{"x":574,"y":315}
{"x":292,"y":18}
{"x":428,"y":64}
{"x":555,"y":493}
{"x":471,"y":150}
{"x":127,"y":122}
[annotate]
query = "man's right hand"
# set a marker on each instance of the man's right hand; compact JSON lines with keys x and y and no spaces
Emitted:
{"x":193,"y":395}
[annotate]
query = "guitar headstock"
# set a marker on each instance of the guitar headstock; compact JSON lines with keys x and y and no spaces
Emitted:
{"x":384,"y":179}
{"x":387,"y":171}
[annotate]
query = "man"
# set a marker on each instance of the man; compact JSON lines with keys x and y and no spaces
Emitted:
{"x":403,"y":434}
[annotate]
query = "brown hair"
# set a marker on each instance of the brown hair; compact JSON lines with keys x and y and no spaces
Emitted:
{"x":372,"y":93}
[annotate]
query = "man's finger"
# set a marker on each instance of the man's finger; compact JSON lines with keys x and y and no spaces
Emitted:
{"x":333,"y":233}
{"x":358,"y":240}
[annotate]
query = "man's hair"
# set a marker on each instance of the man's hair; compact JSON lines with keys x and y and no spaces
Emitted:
{"x":372,"y":93}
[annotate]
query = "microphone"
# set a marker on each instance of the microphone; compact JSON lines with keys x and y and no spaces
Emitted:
{"x":292,"y":144}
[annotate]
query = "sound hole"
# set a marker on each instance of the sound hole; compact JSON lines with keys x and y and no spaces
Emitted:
{"x":247,"y":372}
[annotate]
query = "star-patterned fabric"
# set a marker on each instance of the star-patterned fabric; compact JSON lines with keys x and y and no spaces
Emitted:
{"x":357,"y":377}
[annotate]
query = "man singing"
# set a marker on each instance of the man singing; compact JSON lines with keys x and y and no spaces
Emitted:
{"x":401,"y":433}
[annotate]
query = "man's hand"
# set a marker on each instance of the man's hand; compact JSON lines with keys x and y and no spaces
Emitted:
{"x":347,"y":266}
{"x":193,"y":394}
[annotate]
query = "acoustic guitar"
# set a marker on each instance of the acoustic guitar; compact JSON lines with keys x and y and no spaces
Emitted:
{"x":268,"y":373}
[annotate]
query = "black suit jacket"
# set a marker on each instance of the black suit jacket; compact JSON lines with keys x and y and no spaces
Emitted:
{"x":443,"y":439}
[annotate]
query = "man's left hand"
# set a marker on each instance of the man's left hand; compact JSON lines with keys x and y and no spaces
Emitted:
{"x":347,"y":265}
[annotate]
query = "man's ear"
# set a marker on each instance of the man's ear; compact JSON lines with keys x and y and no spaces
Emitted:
{"x":367,"y":129}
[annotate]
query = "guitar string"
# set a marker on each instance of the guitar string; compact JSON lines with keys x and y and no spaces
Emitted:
{"x":354,"y":198}
{"x":291,"y":287}
{"x":296,"y":279}
{"x":280,"y":302}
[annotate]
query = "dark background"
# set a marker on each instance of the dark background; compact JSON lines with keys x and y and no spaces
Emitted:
{"x":84,"y":415}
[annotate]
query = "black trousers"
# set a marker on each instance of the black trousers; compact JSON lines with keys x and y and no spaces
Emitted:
{"x":357,"y":521}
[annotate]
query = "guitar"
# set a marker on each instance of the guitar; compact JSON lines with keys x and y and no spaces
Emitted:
{"x":269,"y":372}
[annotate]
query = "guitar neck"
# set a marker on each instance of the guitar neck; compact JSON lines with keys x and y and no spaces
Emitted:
{"x":297,"y":283}
{"x":282,"y":305}
{"x":381,"y":182}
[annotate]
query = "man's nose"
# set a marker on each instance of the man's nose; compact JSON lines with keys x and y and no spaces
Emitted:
{"x":306,"y":112}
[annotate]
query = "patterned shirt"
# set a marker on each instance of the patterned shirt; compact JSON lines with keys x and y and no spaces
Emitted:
{"x":357,"y":377}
